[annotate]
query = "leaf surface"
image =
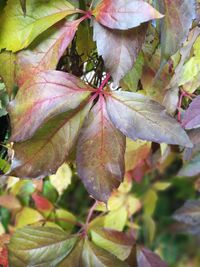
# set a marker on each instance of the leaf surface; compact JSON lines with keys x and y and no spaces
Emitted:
{"x":119,"y":49}
{"x":47,"y":150}
{"x":45,"y":52}
{"x":100,"y":153}
{"x":175,"y":25}
{"x":191,"y":168}
{"x":124,"y":14}
{"x":136,"y":116}
{"x":40,"y":16}
{"x":147,"y":258}
{"x":191,"y":117}
{"x":39,"y":246}
{"x":46,"y":95}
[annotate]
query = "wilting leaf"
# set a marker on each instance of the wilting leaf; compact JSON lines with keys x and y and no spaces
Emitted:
{"x":45,"y":52}
{"x":175,"y":25}
{"x":47,"y":94}
{"x":40,"y":16}
{"x":39,"y":246}
{"x":191,"y":118}
{"x":191,"y":168}
{"x":47,"y":150}
{"x":7,"y":70}
{"x":123,"y":15}
{"x":147,"y":258}
{"x":117,"y":243}
{"x":94,"y":256}
{"x":100,"y":154}
{"x":189,"y":213}
{"x":119,"y":49}
{"x":136,"y":116}
{"x":28,"y":216}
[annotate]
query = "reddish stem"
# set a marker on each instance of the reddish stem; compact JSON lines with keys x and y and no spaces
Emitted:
{"x":183,"y":94}
{"x":91,"y":213}
{"x":105,"y":81}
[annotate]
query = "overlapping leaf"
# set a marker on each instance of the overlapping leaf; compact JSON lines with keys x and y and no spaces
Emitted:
{"x":137,"y":116}
{"x":147,"y":258}
{"x":45,"y":52}
{"x":39,"y":246}
{"x":118,"y":48}
{"x":124,"y":14}
{"x":40,"y":16}
{"x":100,"y":153}
{"x":176,"y":24}
{"x":47,"y":94}
{"x":191,"y":118}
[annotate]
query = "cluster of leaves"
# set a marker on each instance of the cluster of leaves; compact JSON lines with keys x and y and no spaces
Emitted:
{"x":88,"y":76}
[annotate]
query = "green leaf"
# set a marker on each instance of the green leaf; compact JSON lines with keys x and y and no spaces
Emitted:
{"x":123,"y":15}
{"x":117,"y":243}
{"x":49,"y":94}
{"x":17,"y":31}
{"x":39,"y":246}
{"x":175,"y":25}
{"x":28,"y":216}
{"x":138,"y":116}
{"x":100,"y":153}
{"x":74,"y":259}
{"x":48,"y":149}
{"x":64,"y":214}
{"x":96,"y":257}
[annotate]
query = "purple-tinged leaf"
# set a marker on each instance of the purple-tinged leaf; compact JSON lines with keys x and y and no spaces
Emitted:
{"x":100,"y":153}
{"x":189,"y":213}
{"x":48,"y":94}
{"x":176,"y":24}
{"x":137,"y":116}
{"x":191,"y":118}
{"x":191,"y":168}
{"x":147,"y":258}
{"x":119,"y":49}
{"x":124,"y":14}
{"x":47,"y":150}
{"x":45,"y":52}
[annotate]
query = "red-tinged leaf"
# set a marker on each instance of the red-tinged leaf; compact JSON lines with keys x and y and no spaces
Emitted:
{"x":10,"y":202}
{"x":94,"y":256}
{"x":124,"y":14}
{"x":39,"y":246}
{"x":45,"y":52}
{"x":119,"y":49}
{"x":175,"y":25}
{"x":137,"y":116}
{"x":189,"y":213}
{"x":47,"y":150}
{"x":147,"y":258}
{"x":191,"y":117}
{"x":42,"y":204}
{"x":100,"y":154}
{"x":48,"y":94}
{"x":4,"y":240}
{"x":117,"y":243}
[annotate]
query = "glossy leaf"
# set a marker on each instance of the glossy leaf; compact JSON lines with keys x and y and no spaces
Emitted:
{"x":94,"y":256}
{"x":136,"y":116}
{"x":47,"y":94}
{"x":175,"y":25}
{"x":191,"y":118}
{"x":100,"y":153}
{"x":47,"y":150}
{"x":40,"y":16}
{"x":147,"y":258}
{"x":117,"y":243}
{"x":45,"y":52}
{"x":189,"y":213}
{"x":119,"y":49}
{"x":39,"y":246}
{"x":124,"y":14}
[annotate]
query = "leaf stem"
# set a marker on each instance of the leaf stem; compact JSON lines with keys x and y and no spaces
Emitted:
{"x":91,"y":211}
{"x":105,"y":81}
{"x":183,"y":94}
